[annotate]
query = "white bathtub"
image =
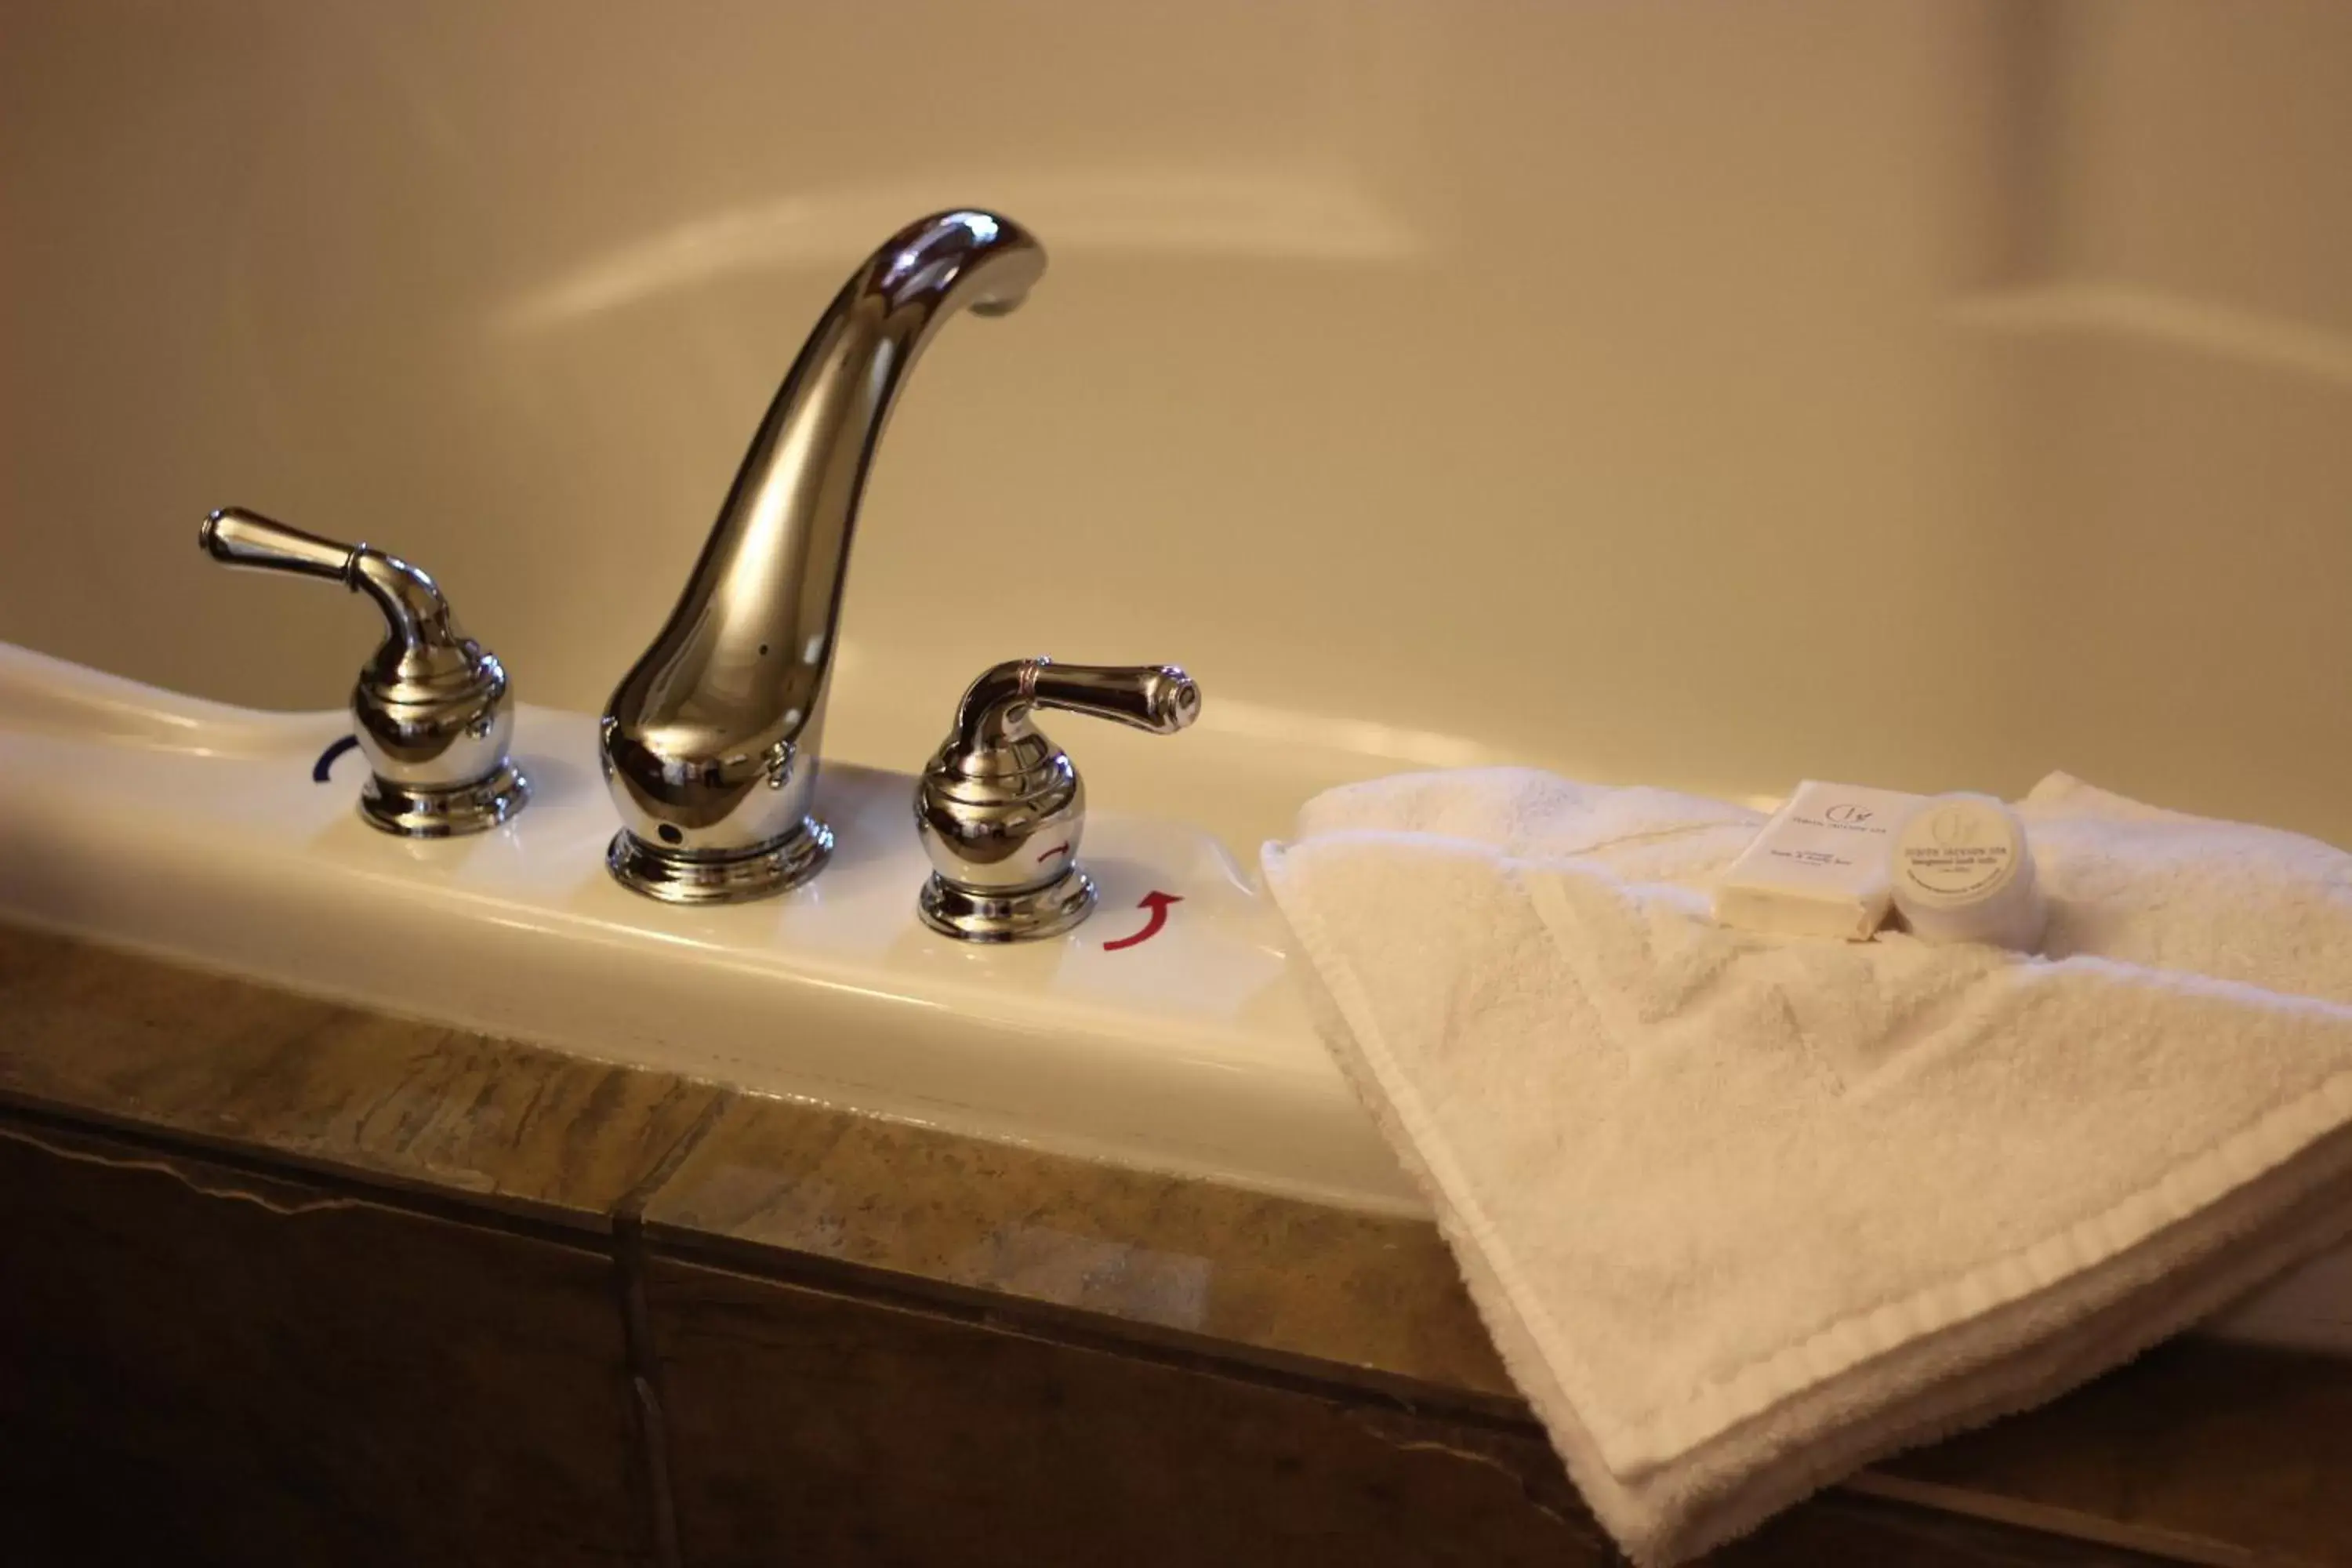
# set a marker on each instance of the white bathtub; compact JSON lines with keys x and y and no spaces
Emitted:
{"x":1708,"y":398}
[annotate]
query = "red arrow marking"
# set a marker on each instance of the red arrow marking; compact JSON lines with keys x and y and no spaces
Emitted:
{"x":1157,"y":902}
{"x":1045,"y":855}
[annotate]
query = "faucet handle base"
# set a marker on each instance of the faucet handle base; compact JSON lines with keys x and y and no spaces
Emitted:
{"x":414,"y":811}
{"x":684,"y":877}
{"x":1028,"y":915}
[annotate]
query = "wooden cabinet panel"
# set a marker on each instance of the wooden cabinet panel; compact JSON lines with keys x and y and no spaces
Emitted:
{"x":199,"y":1365}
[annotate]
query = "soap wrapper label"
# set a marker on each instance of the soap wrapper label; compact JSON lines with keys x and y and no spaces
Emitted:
{"x":1820,"y":867}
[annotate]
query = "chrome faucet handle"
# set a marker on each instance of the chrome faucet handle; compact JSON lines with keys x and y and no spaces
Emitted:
{"x":433,"y":709}
{"x":1001,"y":809}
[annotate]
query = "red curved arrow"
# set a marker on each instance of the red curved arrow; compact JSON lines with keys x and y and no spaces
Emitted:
{"x":1157,"y":902}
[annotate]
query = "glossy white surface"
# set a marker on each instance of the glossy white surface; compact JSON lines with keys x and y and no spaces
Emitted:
{"x":160,"y":823}
{"x":1606,"y":386}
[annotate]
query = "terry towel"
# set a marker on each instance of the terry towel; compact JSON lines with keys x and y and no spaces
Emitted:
{"x":1744,"y":1212}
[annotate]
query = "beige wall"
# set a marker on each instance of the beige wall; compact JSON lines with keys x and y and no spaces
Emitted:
{"x":1928,"y":395}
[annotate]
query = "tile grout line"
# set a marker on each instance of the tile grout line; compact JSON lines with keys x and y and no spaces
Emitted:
{"x":648,"y":1411}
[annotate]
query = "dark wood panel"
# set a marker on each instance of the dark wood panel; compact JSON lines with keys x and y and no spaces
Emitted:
{"x":821,"y":1430}
{"x":199,"y":1365}
{"x":824,"y":1430}
{"x":2221,"y":1450}
{"x":1836,"y":1531}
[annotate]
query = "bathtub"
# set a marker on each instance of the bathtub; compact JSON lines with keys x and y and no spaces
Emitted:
{"x":1638,"y":393}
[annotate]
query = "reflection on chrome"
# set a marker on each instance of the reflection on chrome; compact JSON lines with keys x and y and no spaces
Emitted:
{"x":709,"y":743}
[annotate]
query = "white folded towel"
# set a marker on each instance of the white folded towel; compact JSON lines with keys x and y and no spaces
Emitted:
{"x":1744,"y":1212}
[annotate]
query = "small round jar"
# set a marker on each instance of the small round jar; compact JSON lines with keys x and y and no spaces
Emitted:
{"x":1962,"y":871}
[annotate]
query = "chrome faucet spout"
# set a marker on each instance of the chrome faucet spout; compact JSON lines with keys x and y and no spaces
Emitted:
{"x":709,"y":743}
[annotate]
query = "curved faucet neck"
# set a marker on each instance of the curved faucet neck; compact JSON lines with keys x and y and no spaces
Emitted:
{"x":761,"y":610}
{"x":736,"y":680}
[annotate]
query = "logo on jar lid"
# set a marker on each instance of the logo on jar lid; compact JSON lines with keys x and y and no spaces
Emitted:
{"x":1951,"y":826}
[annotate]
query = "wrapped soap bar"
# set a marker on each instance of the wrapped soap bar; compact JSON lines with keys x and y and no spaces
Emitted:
{"x":1819,"y":867}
